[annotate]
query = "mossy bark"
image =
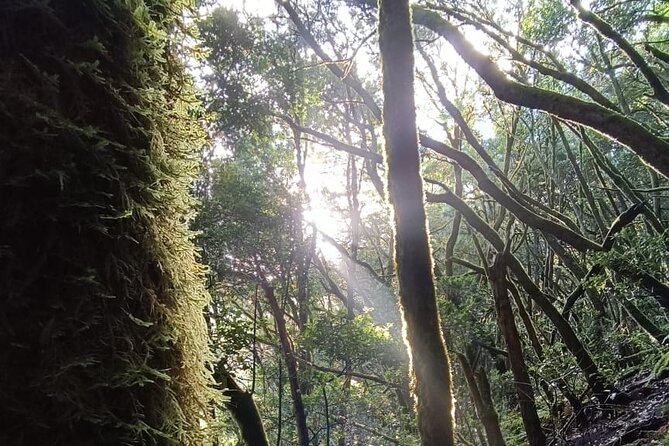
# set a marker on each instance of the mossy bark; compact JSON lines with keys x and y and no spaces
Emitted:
{"x":101,"y":331}
{"x":521,"y":377}
{"x":649,"y":147}
{"x":429,"y":360}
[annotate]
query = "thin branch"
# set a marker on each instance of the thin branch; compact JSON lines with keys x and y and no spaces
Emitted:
{"x":603,"y":27}
{"x":348,"y":78}
{"x":334,"y":142}
{"x":348,"y":372}
{"x":524,"y":214}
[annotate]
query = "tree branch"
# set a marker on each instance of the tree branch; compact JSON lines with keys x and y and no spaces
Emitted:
{"x":334,"y":142}
{"x":602,"y":27}
{"x":524,"y":214}
{"x":649,"y":147}
{"x":345,"y":76}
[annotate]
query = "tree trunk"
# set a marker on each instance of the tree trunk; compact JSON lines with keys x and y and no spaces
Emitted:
{"x":102,"y":332}
{"x":242,"y":408}
{"x":484,"y":407}
{"x":291,"y":366}
{"x":429,"y":359}
{"x":644,"y":322}
{"x":528,"y":409}
{"x":455,"y":227}
{"x":596,"y":380}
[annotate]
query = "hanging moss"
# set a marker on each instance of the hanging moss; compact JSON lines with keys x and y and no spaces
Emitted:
{"x":102,"y":339}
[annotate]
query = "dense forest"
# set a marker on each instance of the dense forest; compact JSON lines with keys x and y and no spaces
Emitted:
{"x":334,"y":222}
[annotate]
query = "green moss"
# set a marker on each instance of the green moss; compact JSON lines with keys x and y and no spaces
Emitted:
{"x":100,"y":292}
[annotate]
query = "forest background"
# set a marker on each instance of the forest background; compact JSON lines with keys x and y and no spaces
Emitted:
{"x":544,"y":160}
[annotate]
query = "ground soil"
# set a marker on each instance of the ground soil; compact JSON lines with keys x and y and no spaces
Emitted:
{"x":638,"y":415}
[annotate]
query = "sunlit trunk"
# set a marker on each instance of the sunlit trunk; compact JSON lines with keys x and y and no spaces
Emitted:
{"x":429,"y":360}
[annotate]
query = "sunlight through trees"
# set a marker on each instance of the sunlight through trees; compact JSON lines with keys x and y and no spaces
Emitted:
{"x":421,"y":222}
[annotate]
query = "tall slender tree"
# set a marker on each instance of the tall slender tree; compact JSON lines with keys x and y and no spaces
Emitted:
{"x":429,"y":359}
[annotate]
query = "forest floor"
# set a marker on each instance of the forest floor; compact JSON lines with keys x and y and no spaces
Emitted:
{"x":643,"y":420}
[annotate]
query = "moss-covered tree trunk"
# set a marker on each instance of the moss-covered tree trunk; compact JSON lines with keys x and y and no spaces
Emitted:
{"x":102,"y":340}
{"x":521,"y":376}
{"x":429,"y":359}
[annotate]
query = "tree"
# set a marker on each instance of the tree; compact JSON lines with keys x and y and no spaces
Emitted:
{"x":510,"y":169}
{"x":430,"y":365}
{"x":103,"y":340}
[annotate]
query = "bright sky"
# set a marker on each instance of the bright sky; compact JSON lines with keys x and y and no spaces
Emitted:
{"x":261,"y":8}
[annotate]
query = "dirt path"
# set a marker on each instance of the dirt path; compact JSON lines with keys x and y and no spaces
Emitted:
{"x":644,"y":420}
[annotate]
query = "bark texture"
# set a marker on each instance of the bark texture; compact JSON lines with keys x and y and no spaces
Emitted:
{"x":521,"y":377}
{"x":102,"y":338}
{"x":429,"y":360}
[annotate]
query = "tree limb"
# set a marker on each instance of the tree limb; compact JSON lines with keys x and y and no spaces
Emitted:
{"x":649,"y":147}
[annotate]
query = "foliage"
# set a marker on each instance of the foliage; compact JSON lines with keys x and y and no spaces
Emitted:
{"x":231,"y":48}
{"x":247,"y":212}
{"x":356,"y":341}
{"x":250,"y":75}
{"x":306,"y":83}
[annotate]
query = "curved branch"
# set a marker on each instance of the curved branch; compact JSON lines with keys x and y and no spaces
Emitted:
{"x":524,"y":214}
{"x":344,"y":252}
{"x":242,"y":407}
{"x":649,"y":147}
{"x":559,"y":74}
{"x":571,"y":340}
{"x":659,"y":54}
{"x":601,"y":26}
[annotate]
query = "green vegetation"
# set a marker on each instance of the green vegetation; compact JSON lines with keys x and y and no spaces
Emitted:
{"x":524,"y":230}
{"x":522,"y":149}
